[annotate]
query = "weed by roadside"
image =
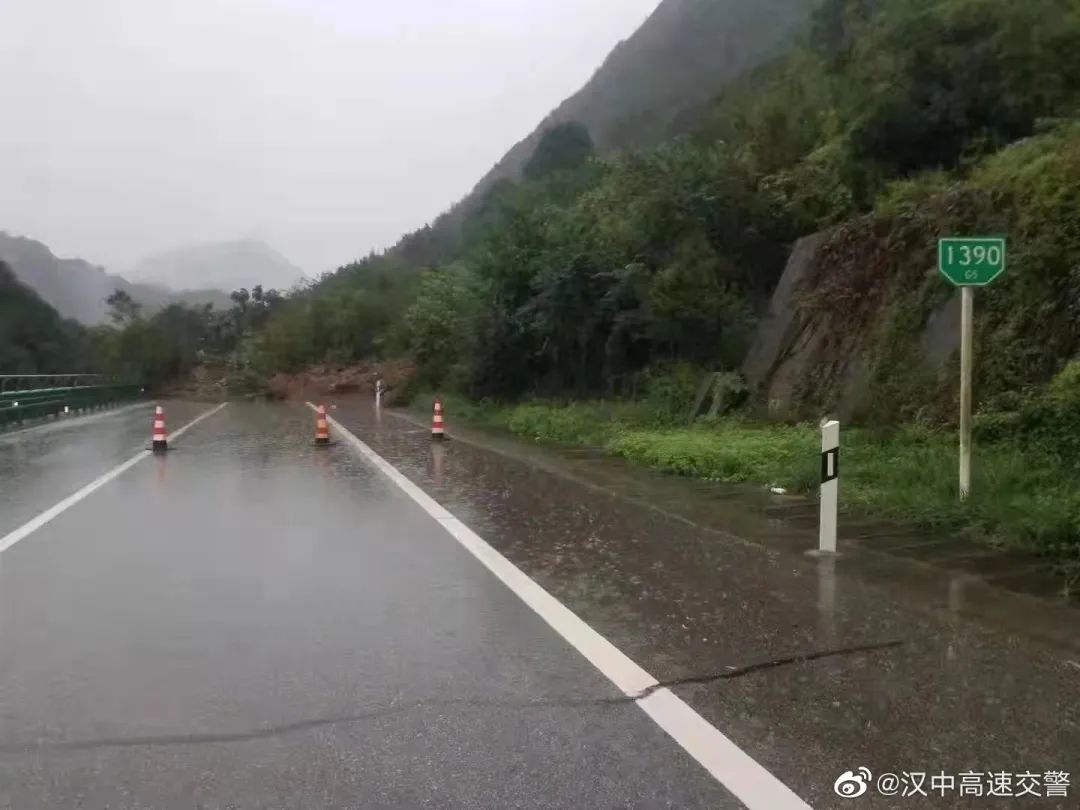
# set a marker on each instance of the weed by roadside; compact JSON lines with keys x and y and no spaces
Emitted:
{"x":1021,"y":497}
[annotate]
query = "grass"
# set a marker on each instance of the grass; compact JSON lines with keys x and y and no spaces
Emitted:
{"x":731,"y":452}
{"x":1020,"y":498}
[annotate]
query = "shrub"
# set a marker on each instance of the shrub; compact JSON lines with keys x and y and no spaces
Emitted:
{"x":1049,"y":422}
{"x":671,"y":390}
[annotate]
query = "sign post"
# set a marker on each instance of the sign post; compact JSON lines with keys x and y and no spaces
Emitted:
{"x":969,"y":263}
{"x":967,"y":348}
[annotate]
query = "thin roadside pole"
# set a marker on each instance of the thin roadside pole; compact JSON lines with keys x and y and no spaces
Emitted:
{"x":967,"y":350}
{"x":830,"y":486}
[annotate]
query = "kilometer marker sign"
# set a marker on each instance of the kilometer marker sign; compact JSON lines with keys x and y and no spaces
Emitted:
{"x":971,"y":261}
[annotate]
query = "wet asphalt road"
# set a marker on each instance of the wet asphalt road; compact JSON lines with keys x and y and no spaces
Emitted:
{"x":250,"y":622}
{"x":957,"y":695}
{"x":40,"y":466}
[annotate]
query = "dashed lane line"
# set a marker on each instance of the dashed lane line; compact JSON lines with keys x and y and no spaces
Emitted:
{"x":32,"y":525}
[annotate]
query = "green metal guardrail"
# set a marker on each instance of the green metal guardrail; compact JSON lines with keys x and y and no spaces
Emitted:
{"x":26,"y":397}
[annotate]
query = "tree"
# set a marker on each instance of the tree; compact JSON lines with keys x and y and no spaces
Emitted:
{"x":123,"y":309}
{"x":438,"y":323}
{"x":241,"y":297}
{"x":934,"y":85}
{"x":563,"y":147}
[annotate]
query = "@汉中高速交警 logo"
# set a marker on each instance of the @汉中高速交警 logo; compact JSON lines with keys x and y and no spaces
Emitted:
{"x":852,"y":784}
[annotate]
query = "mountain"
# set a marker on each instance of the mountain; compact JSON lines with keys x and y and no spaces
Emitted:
{"x":651,"y":87}
{"x":682,"y":56}
{"x":78,"y":289}
{"x":34,"y":339}
{"x":223,"y":266}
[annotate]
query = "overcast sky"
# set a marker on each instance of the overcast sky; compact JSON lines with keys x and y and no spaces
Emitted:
{"x":326,"y":127}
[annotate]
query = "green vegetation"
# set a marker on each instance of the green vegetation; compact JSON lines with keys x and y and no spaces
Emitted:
{"x":875,"y":281}
{"x":562,"y":148}
{"x":652,"y":86}
{"x":894,"y":120}
{"x":1023,"y":496}
{"x":34,"y":339}
{"x":152,"y":350}
{"x":729,"y":451}
{"x":167,"y":345}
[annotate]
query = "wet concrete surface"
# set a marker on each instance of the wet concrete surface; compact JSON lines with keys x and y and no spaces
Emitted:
{"x":981,"y":680}
{"x":44,"y":464}
{"x":251,"y":622}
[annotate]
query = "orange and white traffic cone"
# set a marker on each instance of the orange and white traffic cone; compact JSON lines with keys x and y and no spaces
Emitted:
{"x":437,"y":428}
{"x":160,"y":440}
{"x":322,"y":427}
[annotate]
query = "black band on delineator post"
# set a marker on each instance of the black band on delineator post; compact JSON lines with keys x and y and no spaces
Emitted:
{"x":830,"y":465}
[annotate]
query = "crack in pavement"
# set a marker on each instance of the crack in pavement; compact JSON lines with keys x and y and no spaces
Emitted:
{"x":151,"y":741}
{"x":764,"y":665}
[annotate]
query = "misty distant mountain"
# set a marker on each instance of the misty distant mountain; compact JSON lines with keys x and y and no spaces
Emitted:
{"x":224,"y":266}
{"x":77,"y":289}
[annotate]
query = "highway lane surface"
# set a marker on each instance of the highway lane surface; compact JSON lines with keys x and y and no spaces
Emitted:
{"x":961,"y":693}
{"x":252,"y":622}
{"x":41,"y":465}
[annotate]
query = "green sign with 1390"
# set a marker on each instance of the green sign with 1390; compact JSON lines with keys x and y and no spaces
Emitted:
{"x":971,"y":261}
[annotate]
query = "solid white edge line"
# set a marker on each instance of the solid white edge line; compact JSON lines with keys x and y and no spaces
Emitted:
{"x":732,"y":767}
{"x":32,"y":525}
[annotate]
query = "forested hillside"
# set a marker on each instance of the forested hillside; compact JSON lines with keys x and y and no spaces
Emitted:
{"x":649,"y":86}
{"x":592,"y":270}
{"x":34,"y":339}
{"x":652,"y":87}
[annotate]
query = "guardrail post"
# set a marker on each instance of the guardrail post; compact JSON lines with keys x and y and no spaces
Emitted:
{"x":830,"y":485}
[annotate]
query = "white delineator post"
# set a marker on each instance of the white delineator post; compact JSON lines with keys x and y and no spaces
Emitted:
{"x":830,"y":485}
{"x":378,"y":393}
{"x":967,"y":351}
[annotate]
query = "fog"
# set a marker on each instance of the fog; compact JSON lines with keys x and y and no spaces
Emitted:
{"x":327,"y":128}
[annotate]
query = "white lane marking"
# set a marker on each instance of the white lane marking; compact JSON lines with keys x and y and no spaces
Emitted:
{"x":732,"y":767}
{"x":205,"y":415}
{"x":32,"y":525}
